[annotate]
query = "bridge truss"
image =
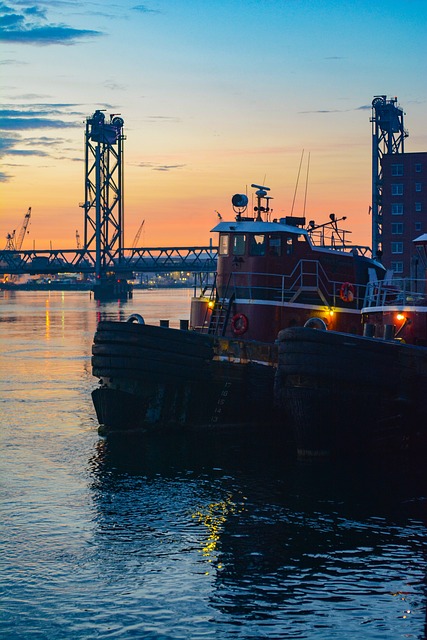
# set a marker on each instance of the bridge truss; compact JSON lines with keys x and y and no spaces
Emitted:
{"x":122,"y":262}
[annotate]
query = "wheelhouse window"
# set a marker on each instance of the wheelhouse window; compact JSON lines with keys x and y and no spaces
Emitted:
{"x":224,"y":241}
{"x":239,"y":245}
{"x":257,"y":244}
{"x":275,"y":246}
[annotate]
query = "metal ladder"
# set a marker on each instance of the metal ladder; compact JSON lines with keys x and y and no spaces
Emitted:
{"x":220,"y":310}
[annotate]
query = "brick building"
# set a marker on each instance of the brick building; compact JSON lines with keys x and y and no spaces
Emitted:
{"x":404,"y":210}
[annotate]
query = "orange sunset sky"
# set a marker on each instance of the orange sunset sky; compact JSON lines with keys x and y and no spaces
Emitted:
{"x":214,"y":96}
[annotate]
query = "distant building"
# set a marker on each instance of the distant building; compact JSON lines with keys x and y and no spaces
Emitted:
{"x":404,"y":210}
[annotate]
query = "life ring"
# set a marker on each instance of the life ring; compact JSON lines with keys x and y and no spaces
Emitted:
{"x":316,"y":323}
{"x":239,"y":324}
{"x":347,"y":292}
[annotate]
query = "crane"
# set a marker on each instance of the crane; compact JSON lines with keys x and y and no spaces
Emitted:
{"x":138,"y":233}
{"x":79,"y":245}
{"x":13,"y":243}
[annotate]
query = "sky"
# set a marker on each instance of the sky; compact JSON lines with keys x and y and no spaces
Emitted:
{"x":215,"y":95}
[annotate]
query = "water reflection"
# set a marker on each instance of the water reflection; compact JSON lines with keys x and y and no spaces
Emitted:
{"x":200,"y":538}
{"x":289,"y":548}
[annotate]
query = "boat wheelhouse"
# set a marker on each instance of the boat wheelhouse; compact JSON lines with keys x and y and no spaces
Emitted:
{"x":278,"y":273}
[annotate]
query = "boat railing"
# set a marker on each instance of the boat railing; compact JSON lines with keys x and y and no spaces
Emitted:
{"x":324,"y":236}
{"x":397,"y":291}
{"x":308,"y":283}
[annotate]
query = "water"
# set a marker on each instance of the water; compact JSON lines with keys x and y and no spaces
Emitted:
{"x":183,"y":539}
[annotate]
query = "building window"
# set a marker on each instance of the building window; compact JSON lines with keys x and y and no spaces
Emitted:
{"x":418,"y":226}
{"x":397,"y":247}
{"x":397,"y":189}
{"x":397,"y":267}
{"x":397,"y":169}
{"x":418,"y":186}
{"x":418,"y":167}
{"x":418,"y":206}
{"x":397,"y":228}
{"x":224,"y":239}
{"x":397,"y":209}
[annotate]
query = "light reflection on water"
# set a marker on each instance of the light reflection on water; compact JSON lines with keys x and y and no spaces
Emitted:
{"x":190,"y":538}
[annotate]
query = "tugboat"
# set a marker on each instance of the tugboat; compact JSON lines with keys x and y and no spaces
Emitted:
{"x":271,"y":274}
{"x":348,"y":394}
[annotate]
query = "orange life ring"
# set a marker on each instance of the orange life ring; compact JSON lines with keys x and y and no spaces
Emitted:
{"x":239,"y":324}
{"x":347,"y":292}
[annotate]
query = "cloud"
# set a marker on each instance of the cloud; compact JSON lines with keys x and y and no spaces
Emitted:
{"x":29,"y":25}
{"x":142,"y":8}
{"x":160,"y":167}
{"x":10,"y":62}
{"x":14,"y":113}
{"x":162,"y":119}
{"x":5,"y":177}
{"x":115,"y":86}
{"x":44,"y":141}
{"x":15,"y":124}
{"x":28,"y":152}
{"x":33,"y":118}
{"x":361,"y":108}
{"x":168,"y":167}
{"x":324,"y":111}
{"x":40,"y":116}
{"x":7,"y":142}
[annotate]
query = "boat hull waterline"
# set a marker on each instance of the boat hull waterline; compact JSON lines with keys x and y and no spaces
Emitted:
{"x":351,"y":394}
{"x":162,"y":379}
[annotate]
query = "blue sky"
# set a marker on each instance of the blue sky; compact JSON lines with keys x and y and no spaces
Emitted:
{"x":215,"y":95}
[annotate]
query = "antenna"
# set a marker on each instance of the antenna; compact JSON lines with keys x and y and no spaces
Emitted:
{"x":306,"y":183}
{"x":296,"y":186}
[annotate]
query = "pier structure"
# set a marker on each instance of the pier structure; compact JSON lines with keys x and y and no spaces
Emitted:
{"x":388,"y":136}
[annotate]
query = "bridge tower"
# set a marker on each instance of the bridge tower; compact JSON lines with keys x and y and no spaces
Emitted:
{"x":103,"y":204}
{"x":388,"y":135}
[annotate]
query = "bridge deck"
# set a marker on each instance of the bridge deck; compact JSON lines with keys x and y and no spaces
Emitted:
{"x":140,"y":260}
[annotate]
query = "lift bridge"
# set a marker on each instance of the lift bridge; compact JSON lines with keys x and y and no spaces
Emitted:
{"x":103,"y":252}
